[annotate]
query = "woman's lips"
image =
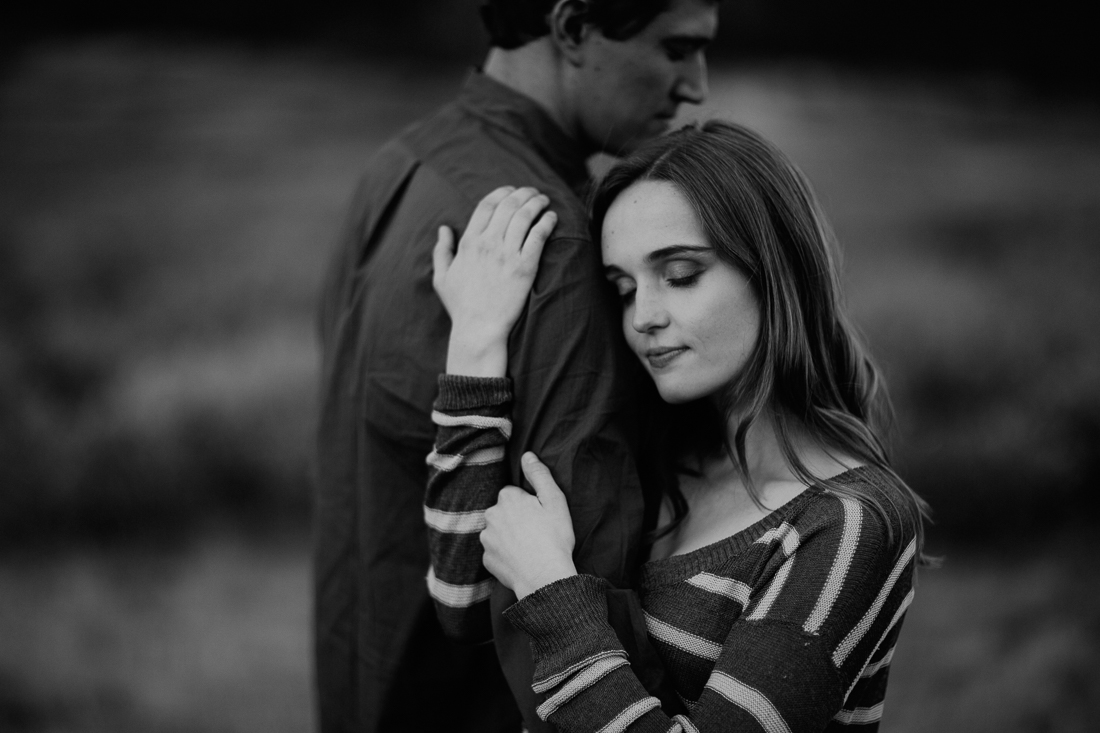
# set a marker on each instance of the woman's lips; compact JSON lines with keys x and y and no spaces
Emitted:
{"x":660,"y":358}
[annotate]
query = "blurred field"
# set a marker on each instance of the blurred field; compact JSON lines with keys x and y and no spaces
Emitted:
{"x":214,"y":639}
{"x":165,"y":217}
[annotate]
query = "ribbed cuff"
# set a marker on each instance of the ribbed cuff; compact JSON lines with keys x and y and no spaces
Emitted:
{"x":566,"y":622}
{"x":458,"y":392}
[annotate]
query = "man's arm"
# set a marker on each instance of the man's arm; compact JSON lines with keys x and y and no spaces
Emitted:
{"x":576,"y":400}
{"x":575,"y":395}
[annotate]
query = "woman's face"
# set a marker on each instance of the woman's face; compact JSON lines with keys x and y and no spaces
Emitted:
{"x":691,"y":318}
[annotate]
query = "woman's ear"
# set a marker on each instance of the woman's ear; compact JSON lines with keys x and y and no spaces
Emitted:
{"x":569,"y":28}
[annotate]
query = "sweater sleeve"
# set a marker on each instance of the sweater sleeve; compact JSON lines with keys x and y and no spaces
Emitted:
{"x":807,"y":649}
{"x":466,"y":470}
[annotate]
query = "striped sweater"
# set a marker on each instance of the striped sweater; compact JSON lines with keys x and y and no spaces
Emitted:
{"x":788,"y":625}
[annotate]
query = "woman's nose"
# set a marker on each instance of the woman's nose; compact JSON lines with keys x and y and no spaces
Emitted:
{"x":649,"y":313}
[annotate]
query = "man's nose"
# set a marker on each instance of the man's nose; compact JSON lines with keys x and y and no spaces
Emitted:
{"x":649,"y":314}
{"x":691,"y":86}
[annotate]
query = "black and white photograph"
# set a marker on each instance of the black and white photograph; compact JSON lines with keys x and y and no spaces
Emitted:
{"x":549,"y":366}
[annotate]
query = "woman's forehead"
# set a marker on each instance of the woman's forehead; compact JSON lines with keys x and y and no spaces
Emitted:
{"x":646,"y":217}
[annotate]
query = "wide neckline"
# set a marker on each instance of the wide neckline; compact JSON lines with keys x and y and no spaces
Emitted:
{"x":676,"y":568}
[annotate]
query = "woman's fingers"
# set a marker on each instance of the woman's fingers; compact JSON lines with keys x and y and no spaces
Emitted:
{"x":497,"y":228}
{"x":520,"y":224}
{"x":509,"y":217}
{"x":546,"y":489}
{"x":443,"y":254}
{"x":537,"y":237}
{"x":484,"y":280}
{"x":511,"y":493}
{"x":528,"y":540}
{"x":485,"y":208}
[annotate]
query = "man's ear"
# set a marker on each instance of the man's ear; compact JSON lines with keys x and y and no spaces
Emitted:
{"x":569,"y":28}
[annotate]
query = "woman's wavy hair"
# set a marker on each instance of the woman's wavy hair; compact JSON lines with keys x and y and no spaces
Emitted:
{"x":514,"y":23}
{"x":808,"y":369}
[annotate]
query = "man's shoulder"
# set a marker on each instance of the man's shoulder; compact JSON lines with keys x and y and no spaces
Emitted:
{"x":460,"y":159}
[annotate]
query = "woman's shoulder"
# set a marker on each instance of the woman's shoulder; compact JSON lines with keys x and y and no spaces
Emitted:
{"x":864,"y":505}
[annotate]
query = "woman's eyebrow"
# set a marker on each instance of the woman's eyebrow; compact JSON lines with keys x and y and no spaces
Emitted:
{"x":665,"y":253}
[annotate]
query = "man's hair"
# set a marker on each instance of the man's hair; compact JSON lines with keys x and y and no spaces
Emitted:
{"x":514,"y":23}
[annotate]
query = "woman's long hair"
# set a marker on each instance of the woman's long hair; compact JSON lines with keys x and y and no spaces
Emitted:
{"x":808,"y":371}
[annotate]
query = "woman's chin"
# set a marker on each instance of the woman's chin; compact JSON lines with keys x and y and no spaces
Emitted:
{"x":676,"y":394}
{"x":679,"y":391}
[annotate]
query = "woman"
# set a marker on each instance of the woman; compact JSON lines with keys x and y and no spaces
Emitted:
{"x":776,"y":589}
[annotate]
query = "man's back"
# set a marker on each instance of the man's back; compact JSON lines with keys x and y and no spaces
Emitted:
{"x":382,"y":660}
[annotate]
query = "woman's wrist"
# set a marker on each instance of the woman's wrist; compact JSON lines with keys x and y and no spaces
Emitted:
{"x":473,"y":352}
{"x":545,"y":576}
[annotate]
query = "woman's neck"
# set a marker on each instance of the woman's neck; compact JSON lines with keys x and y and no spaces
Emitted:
{"x":769,"y":468}
{"x":765,"y":460}
{"x":723,"y":498}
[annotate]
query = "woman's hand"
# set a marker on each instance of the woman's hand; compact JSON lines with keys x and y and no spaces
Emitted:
{"x":528,"y":540}
{"x":485,"y":284}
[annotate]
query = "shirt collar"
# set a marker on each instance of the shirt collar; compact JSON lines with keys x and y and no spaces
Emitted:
{"x":522,"y":116}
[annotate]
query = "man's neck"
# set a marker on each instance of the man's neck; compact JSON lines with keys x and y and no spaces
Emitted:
{"x":533,"y":70}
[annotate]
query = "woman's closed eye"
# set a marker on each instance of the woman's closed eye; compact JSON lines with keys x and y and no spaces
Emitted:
{"x":675,"y":275}
{"x":682,"y":274}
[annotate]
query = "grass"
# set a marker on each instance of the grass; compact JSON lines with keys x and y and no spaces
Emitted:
{"x":1002,"y":640}
{"x":213,"y":637}
{"x":165,"y":217}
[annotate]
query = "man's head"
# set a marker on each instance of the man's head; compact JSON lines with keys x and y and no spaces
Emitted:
{"x":623,"y":67}
{"x":514,"y":23}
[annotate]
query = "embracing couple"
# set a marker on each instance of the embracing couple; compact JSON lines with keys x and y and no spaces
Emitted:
{"x":709,"y":536}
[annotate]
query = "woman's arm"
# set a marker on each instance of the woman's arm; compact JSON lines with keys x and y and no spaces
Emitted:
{"x":810,"y":644}
{"x":483,"y":286}
{"x":465,"y":471}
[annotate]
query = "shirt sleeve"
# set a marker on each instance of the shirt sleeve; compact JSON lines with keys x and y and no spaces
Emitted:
{"x":577,"y":390}
{"x":823,"y":616}
{"x":576,"y":406}
{"x":466,"y":470}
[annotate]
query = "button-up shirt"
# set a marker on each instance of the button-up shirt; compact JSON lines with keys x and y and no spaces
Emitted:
{"x":382,"y":662}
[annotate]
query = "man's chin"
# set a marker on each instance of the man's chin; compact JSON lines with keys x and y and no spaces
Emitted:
{"x":627,"y":145}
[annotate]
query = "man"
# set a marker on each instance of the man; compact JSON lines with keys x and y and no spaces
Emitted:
{"x":564,"y":79}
